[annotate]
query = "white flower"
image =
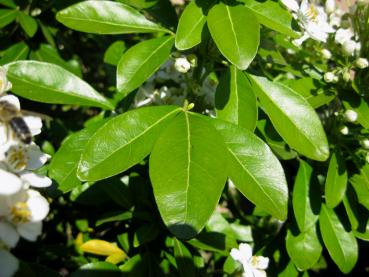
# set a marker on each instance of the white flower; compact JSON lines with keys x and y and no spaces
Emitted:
{"x":10,"y":183}
{"x":253,"y":266}
{"x":8,"y":264}
{"x":364,"y":143}
{"x":5,"y":85}
{"x":21,"y":215}
{"x":330,"y":77}
{"x":326,"y":54}
{"x":182,"y":65}
{"x":350,"y":115}
{"x":344,"y":130}
{"x":330,"y":6}
{"x":343,"y":35}
{"x":311,"y":18}
{"x":362,"y":63}
{"x":349,"y":47}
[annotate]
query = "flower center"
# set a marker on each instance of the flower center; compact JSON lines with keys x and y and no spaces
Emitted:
{"x":17,"y":157}
{"x":254,"y":261}
{"x":20,"y":213}
{"x":312,"y":13}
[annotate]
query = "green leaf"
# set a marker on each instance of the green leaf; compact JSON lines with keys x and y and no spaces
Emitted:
{"x":341,"y":244}
{"x":184,"y":259}
{"x":190,"y":26}
{"x":359,"y":105}
{"x":254,"y":169}
{"x":187,"y":171}
{"x":106,"y":17}
{"x":293,"y":118}
{"x":113,"y":217}
{"x":145,"y":234}
{"x":49,"y":54}
{"x":236,"y":32}
{"x":63,"y":166}
{"x":140,"y":4}
{"x":8,"y":3}
{"x":304,"y":248}
{"x":360,"y":183}
{"x":123,"y":142}
{"x":139,"y":62}
{"x":28,"y":24}
{"x":113,"y":54}
{"x":235,"y":100}
{"x":18,"y":51}
{"x":97,"y":269}
{"x":7,"y":16}
{"x":312,"y":90}
{"x":49,"y":83}
{"x":336,"y":182}
{"x":306,"y":198}
{"x":272,"y":15}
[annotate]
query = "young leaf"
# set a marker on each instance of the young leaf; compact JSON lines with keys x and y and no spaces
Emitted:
{"x":49,"y":83}
{"x":273,"y":16}
{"x":187,"y":171}
{"x":123,"y":142}
{"x":306,"y":199}
{"x":235,"y":100}
{"x":106,"y":17}
{"x":190,"y":26}
{"x":28,"y":24}
{"x":304,"y":248}
{"x":341,"y":244}
{"x":18,"y":51}
{"x":336,"y":182}
{"x":63,"y":166}
{"x":236,"y":32}
{"x":7,"y":16}
{"x":139,"y":62}
{"x":293,"y":117}
{"x":254,"y":169}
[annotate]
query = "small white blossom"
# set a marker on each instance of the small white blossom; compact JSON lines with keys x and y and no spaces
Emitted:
{"x":326,"y":54}
{"x":5,"y":85}
{"x":330,"y":77}
{"x":8,"y":264}
{"x":350,"y":116}
{"x":344,"y":130}
{"x":349,"y":47}
{"x":330,"y":6}
{"x":365,"y":143}
{"x":362,"y":63}
{"x":343,"y":35}
{"x":182,"y":65}
{"x":253,"y":266}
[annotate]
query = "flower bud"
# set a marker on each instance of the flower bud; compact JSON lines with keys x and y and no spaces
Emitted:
{"x":365,"y":143}
{"x":329,"y":77}
{"x":349,"y":47}
{"x":346,"y":76}
{"x":326,"y":54}
{"x":182,"y":65}
{"x":344,"y":130}
{"x":330,"y":6}
{"x":192,"y":59}
{"x":361,"y":63}
{"x":350,"y":116}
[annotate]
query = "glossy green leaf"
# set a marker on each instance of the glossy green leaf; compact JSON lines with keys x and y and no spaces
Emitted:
{"x":187,"y":171}
{"x":336,"y":182}
{"x":360,"y":183}
{"x":63,"y":166}
{"x":306,"y":198}
{"x":7,"y":16}
{"x":236,"y":32}
{"x":49,"y":54}
{"x":304,"y":248}
{"x":312,"y":90}
{"x":341,"y":244}
{"x":272,"y":15}
{"x":254,"y":169}
{"x":355,"y":212}
{"x":293,"y":118}
{"x":359,"y":105}
{"x":235,"y":100}
{"x":139,"y":62}
{"x":184,"y":259}
{"x":115,"y":51}
{"x":18,"y":51}
{"x":190,"y":26}
{"x":140,"y":4}
{"x":123,"y":142}
{"x":28,"y":24}
{"x":106,"y":17}
{"x":50,"y":83}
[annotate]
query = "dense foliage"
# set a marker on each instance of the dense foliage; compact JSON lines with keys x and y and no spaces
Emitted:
{"x":184,"y":138}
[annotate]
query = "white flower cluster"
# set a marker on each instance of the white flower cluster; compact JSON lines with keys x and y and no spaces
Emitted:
{"x":171,"y":84}
{"x":22,"y":208}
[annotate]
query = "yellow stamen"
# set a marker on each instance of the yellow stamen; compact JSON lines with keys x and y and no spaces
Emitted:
{"x":21,"y":213}
{"x":17,"y":157}
{"x":312,"y":13}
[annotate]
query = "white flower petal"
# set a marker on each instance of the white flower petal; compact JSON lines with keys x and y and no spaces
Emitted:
{"x":258,"y":273}
{"x":3,"y":134}
{"x":30,"y":230}
{"x":261,"y":262}
{"x":8,"y":235}
{"x":291,"y":4}
{"x":35,"y":180}
{"x":10,"y":183}
{"x":246,"y":250}
{"x":8,"y":264}
{"x":36,"y":157}
{"x":11,"y":99}
{"x":237,"y":255}
{"x":34,"y":124}
{"x":248,"y":271}
{"x":38,"y":206}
